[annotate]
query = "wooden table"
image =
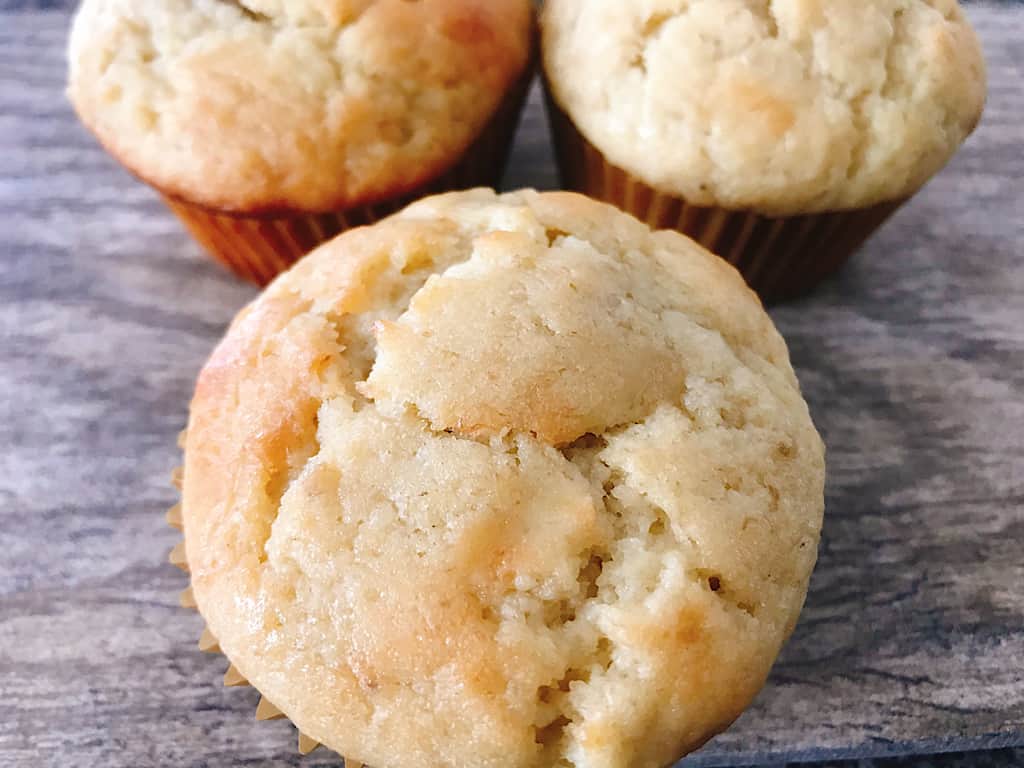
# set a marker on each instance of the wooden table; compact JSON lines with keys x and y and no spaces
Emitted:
{"x":912,"y":360}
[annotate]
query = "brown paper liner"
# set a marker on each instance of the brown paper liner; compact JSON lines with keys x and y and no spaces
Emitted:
{"x":259,"y":247}
{"x":780,"y":257}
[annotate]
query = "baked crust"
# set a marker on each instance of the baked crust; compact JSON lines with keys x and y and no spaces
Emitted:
{"x":313,"y":105}
{"x":502,"y":481}
{"x":782,"y":107}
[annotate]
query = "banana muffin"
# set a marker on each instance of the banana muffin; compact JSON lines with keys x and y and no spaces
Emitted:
{"x":503,"y":481}
{"x":779,"y":134}
{"x":269,"y":126}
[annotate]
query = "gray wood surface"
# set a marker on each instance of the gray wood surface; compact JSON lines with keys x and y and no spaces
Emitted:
{"x":912,"y":360}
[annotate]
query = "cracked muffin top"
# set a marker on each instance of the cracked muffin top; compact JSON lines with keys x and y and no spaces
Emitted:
{"x":253,"y":105}
{"x":503,"y":481}
{"x":781,"y":106}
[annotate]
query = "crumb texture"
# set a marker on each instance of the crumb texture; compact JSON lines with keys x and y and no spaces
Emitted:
{"x":780,"y":106}
{"x":504,"y":481}
{"x":305,"y":104}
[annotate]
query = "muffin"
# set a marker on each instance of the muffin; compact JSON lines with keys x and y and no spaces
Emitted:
{"x":268,"y":126}
{"x":502,"y":481}
{"x":780,"y":134}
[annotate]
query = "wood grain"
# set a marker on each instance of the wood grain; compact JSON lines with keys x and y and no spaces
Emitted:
{"x":912,"y":360}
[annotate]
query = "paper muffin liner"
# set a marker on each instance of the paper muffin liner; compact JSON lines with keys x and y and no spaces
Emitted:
{"x":265,"y":710}
{"x":258,"y":247}
{"x":780,"y":257}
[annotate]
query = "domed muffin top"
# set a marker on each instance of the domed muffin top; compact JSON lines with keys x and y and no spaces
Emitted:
{"x":300,"y":104}
{"x":780,"y":106}
{"x":501,"y":481}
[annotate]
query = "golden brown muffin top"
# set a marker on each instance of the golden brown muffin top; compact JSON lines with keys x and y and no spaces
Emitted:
{"x":307,"y":104}
{"x":780,"y":106}
{"x":503,"y":481}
